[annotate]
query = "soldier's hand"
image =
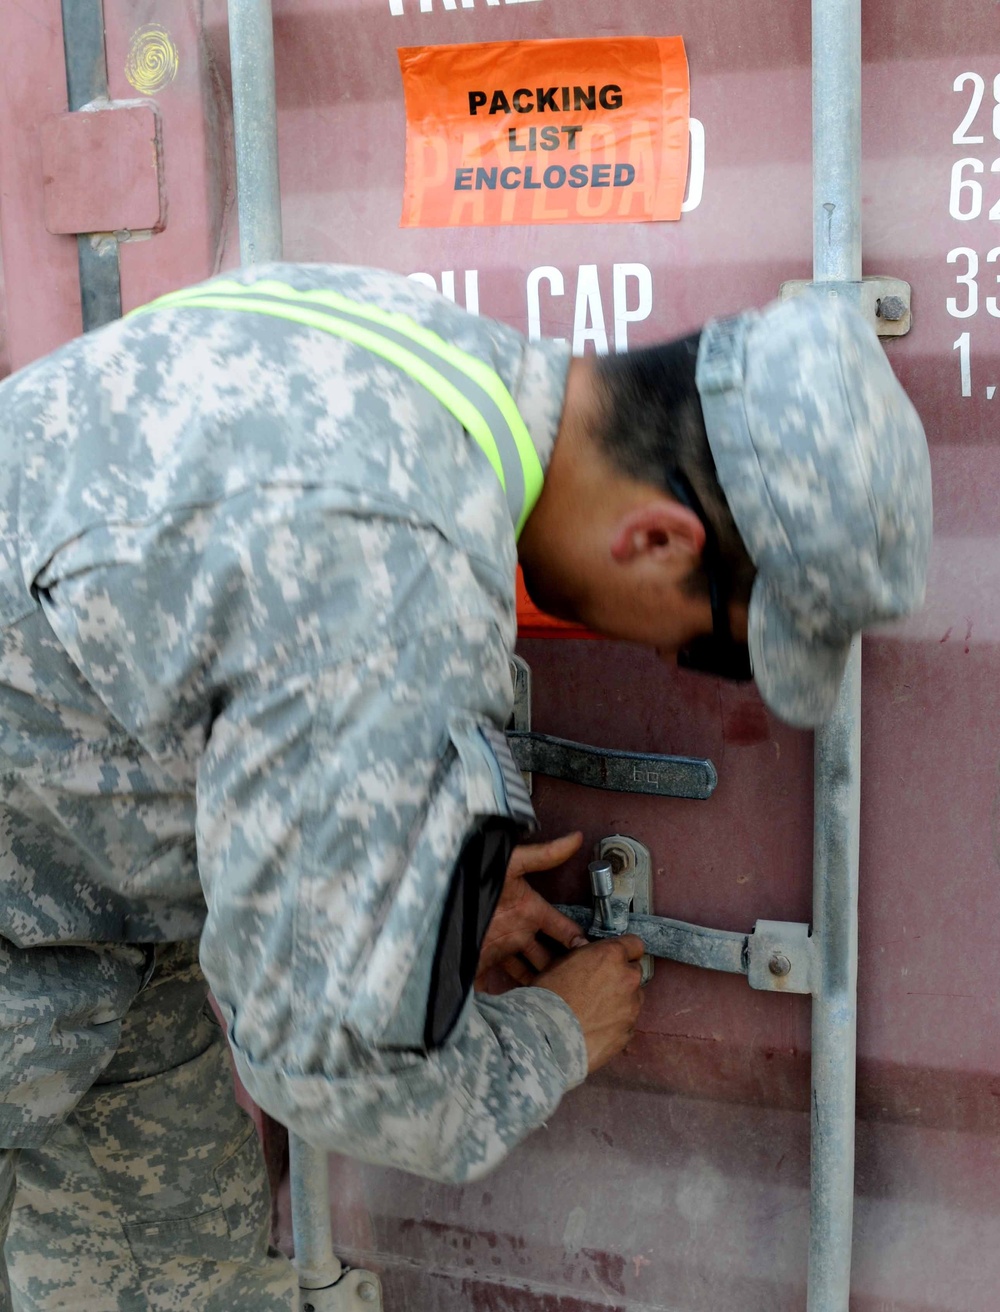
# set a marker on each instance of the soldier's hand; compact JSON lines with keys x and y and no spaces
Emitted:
{"x":602,"y":984}
{"x":524,"y":920}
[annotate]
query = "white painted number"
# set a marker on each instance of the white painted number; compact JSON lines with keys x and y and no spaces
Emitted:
{"x":961,"y":135}
{"x":991,"y":301}
{"x":978,"y":88}
{"x":962,"y":347}
{"x":966,"y":199}
{"x":973,"y":190}
{"x":967,"y":196}
{"x":969,"y":279}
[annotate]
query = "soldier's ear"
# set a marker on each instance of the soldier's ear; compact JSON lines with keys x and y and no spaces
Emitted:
{"x":659,"y":530}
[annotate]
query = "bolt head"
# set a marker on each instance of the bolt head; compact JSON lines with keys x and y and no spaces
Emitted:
{"x":892,"y":308}
{"x":367,"y":1292}
{"x":779,"y":965}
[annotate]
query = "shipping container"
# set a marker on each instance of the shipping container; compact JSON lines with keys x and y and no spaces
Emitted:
{"x":677,"y":1179}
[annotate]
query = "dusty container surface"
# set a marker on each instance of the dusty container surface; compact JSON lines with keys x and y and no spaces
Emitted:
{"x":677,"y":1179}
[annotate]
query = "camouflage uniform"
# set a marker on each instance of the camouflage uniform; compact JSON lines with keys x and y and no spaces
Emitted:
{"x":256,"y":598}
{"x":150,"y":1196}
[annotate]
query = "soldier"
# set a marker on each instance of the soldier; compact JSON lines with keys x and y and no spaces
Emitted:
{"x":257,"y":556}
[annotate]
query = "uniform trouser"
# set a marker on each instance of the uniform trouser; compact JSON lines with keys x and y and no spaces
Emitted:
{"x":150,"y":1194}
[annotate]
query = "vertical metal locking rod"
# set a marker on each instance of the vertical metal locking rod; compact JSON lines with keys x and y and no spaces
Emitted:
{"x":316,"y":1265}
{"x":255,"y":125}
{"x":836,"y":91}
{"x":836,"y":80}
{"x":86,"y":81}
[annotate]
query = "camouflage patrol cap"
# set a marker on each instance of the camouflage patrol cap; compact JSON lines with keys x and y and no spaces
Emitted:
{"x":824,"y":464}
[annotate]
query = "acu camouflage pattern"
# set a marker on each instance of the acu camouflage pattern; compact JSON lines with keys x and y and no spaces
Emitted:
{"x":151,"y":1195}
{"x":257,"y":597}
{"x":61,"y":1012}
{"x":824,"y":464}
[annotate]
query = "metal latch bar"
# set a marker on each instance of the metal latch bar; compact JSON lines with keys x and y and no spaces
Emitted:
{"x":776,"y":956}
{"x":623,"y":772}
{"x":675,"y":940}
{"x":599,"y":767}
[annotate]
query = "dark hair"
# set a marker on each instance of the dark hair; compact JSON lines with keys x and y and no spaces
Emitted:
{"x":653,"y":424}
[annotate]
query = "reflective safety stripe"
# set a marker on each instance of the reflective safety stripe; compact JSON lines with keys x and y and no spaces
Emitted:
{"x":466,"y":386}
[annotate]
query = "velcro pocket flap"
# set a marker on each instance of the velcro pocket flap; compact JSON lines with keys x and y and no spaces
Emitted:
{"x":389,"y":1003}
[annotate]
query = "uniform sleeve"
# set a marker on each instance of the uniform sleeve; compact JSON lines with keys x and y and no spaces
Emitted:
{"x":332,"y":811}
{"x":325,"y":675}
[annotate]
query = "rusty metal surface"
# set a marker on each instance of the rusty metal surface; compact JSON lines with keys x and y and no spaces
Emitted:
{"x":679,"y":1179}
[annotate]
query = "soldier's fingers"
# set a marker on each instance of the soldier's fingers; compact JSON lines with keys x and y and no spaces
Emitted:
{"x":633,"y":945}
{"x":561,"y":928}
{"x":519,"y":971}
{"x":530,"y":858}
{"x":537,"y":954}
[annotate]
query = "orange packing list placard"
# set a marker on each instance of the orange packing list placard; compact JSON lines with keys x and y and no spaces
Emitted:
{"x":577,"y":131}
